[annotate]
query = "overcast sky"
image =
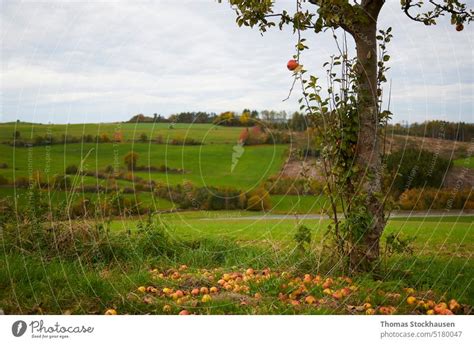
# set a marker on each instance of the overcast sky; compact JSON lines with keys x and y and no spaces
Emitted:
{"x":91,"y":61}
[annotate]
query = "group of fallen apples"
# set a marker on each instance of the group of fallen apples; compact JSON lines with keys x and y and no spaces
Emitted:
{"x":190,"y":292}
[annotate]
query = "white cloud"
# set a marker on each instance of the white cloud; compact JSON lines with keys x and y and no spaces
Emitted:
{"x":117,"y":58}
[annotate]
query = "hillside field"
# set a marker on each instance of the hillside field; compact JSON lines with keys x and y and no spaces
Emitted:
{"x":140,"y":263}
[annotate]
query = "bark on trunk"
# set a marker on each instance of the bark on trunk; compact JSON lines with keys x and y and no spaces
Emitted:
{"x":365,"y":253}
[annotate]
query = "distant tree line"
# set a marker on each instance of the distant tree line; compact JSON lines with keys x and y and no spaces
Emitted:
{"x":182,"y":117}
{"x":457,"y":131}
{"x":248,"y":118}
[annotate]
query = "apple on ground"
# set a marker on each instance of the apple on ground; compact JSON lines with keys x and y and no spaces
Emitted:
{"x":110,"y":311}
{"x":310,"y":299}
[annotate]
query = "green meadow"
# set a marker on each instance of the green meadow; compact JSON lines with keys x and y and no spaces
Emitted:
{"x":218,"y":242}
{"x":206,"y":165}
{"x":203,"y":133}
{"x":98,"y":263}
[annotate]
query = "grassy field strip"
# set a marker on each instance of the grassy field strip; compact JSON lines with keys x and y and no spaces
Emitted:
{"x":205,"y":133}
{"x":244,"y":228}
{"x":208,"y":165}
{"x":465,"y":162}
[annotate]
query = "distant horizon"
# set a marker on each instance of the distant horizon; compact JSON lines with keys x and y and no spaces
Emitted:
{"x":402,"y":122}
{"x":98,"y":62}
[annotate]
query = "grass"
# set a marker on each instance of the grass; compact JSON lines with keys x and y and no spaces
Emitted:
{"x":440,"y":269}
{"x":464,"y":162}
{"x":204,"y":133}
{"x":432,"y":234}
{"x":57,"y":197}
{"x":281,"y":204}
{"x":208,"y":165}
{"x":288,"y":204}
{"x":90,"y":277}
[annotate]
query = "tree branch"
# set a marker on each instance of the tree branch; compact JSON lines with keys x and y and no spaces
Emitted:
{"x":457,"y":10}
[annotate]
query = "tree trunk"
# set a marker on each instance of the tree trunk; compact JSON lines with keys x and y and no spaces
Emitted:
{"x":364,"y":253}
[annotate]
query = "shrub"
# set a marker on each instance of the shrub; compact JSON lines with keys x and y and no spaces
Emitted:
{"x":130,"y":160}
{"x":413,"y":168}
{"x":3,"y":180}
{"x":143,"y":137}
{"x":180,"y":141}
{"x":423,"y":199}
{"x":118,"y":136}
{"x":62,"y":182}
{"x":206,"y":198}
{"x":153,"y":239}
{"x":259,"y":200}
{"x":278,"y":137}
{"x":253,"y":136}
{"x":22,"y":182}
{"x":85,"y":241}
{"x":104,"y":138}
{"x":290,"y":186}
{"x":109,"y":169}
{"x":81,"y":208}
{"x":71,"y":169}
{"x":397,"y":243}
{"x":87,"y":138}
{"x":302,"y":237}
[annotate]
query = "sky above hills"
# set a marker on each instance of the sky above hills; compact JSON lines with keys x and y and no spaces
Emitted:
{"x":91,"y":61}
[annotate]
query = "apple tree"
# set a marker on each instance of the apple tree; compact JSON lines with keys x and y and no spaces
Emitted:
{"x":354,"y":145}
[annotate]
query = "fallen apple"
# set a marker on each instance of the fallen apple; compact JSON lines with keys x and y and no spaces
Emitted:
{"x":370,"y":311}
{"x":345,"y":291}
{"x":327,"y":291}
{"x":440,"y":307}
{"x":454,"y":305}
{"x":206,"y":298}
